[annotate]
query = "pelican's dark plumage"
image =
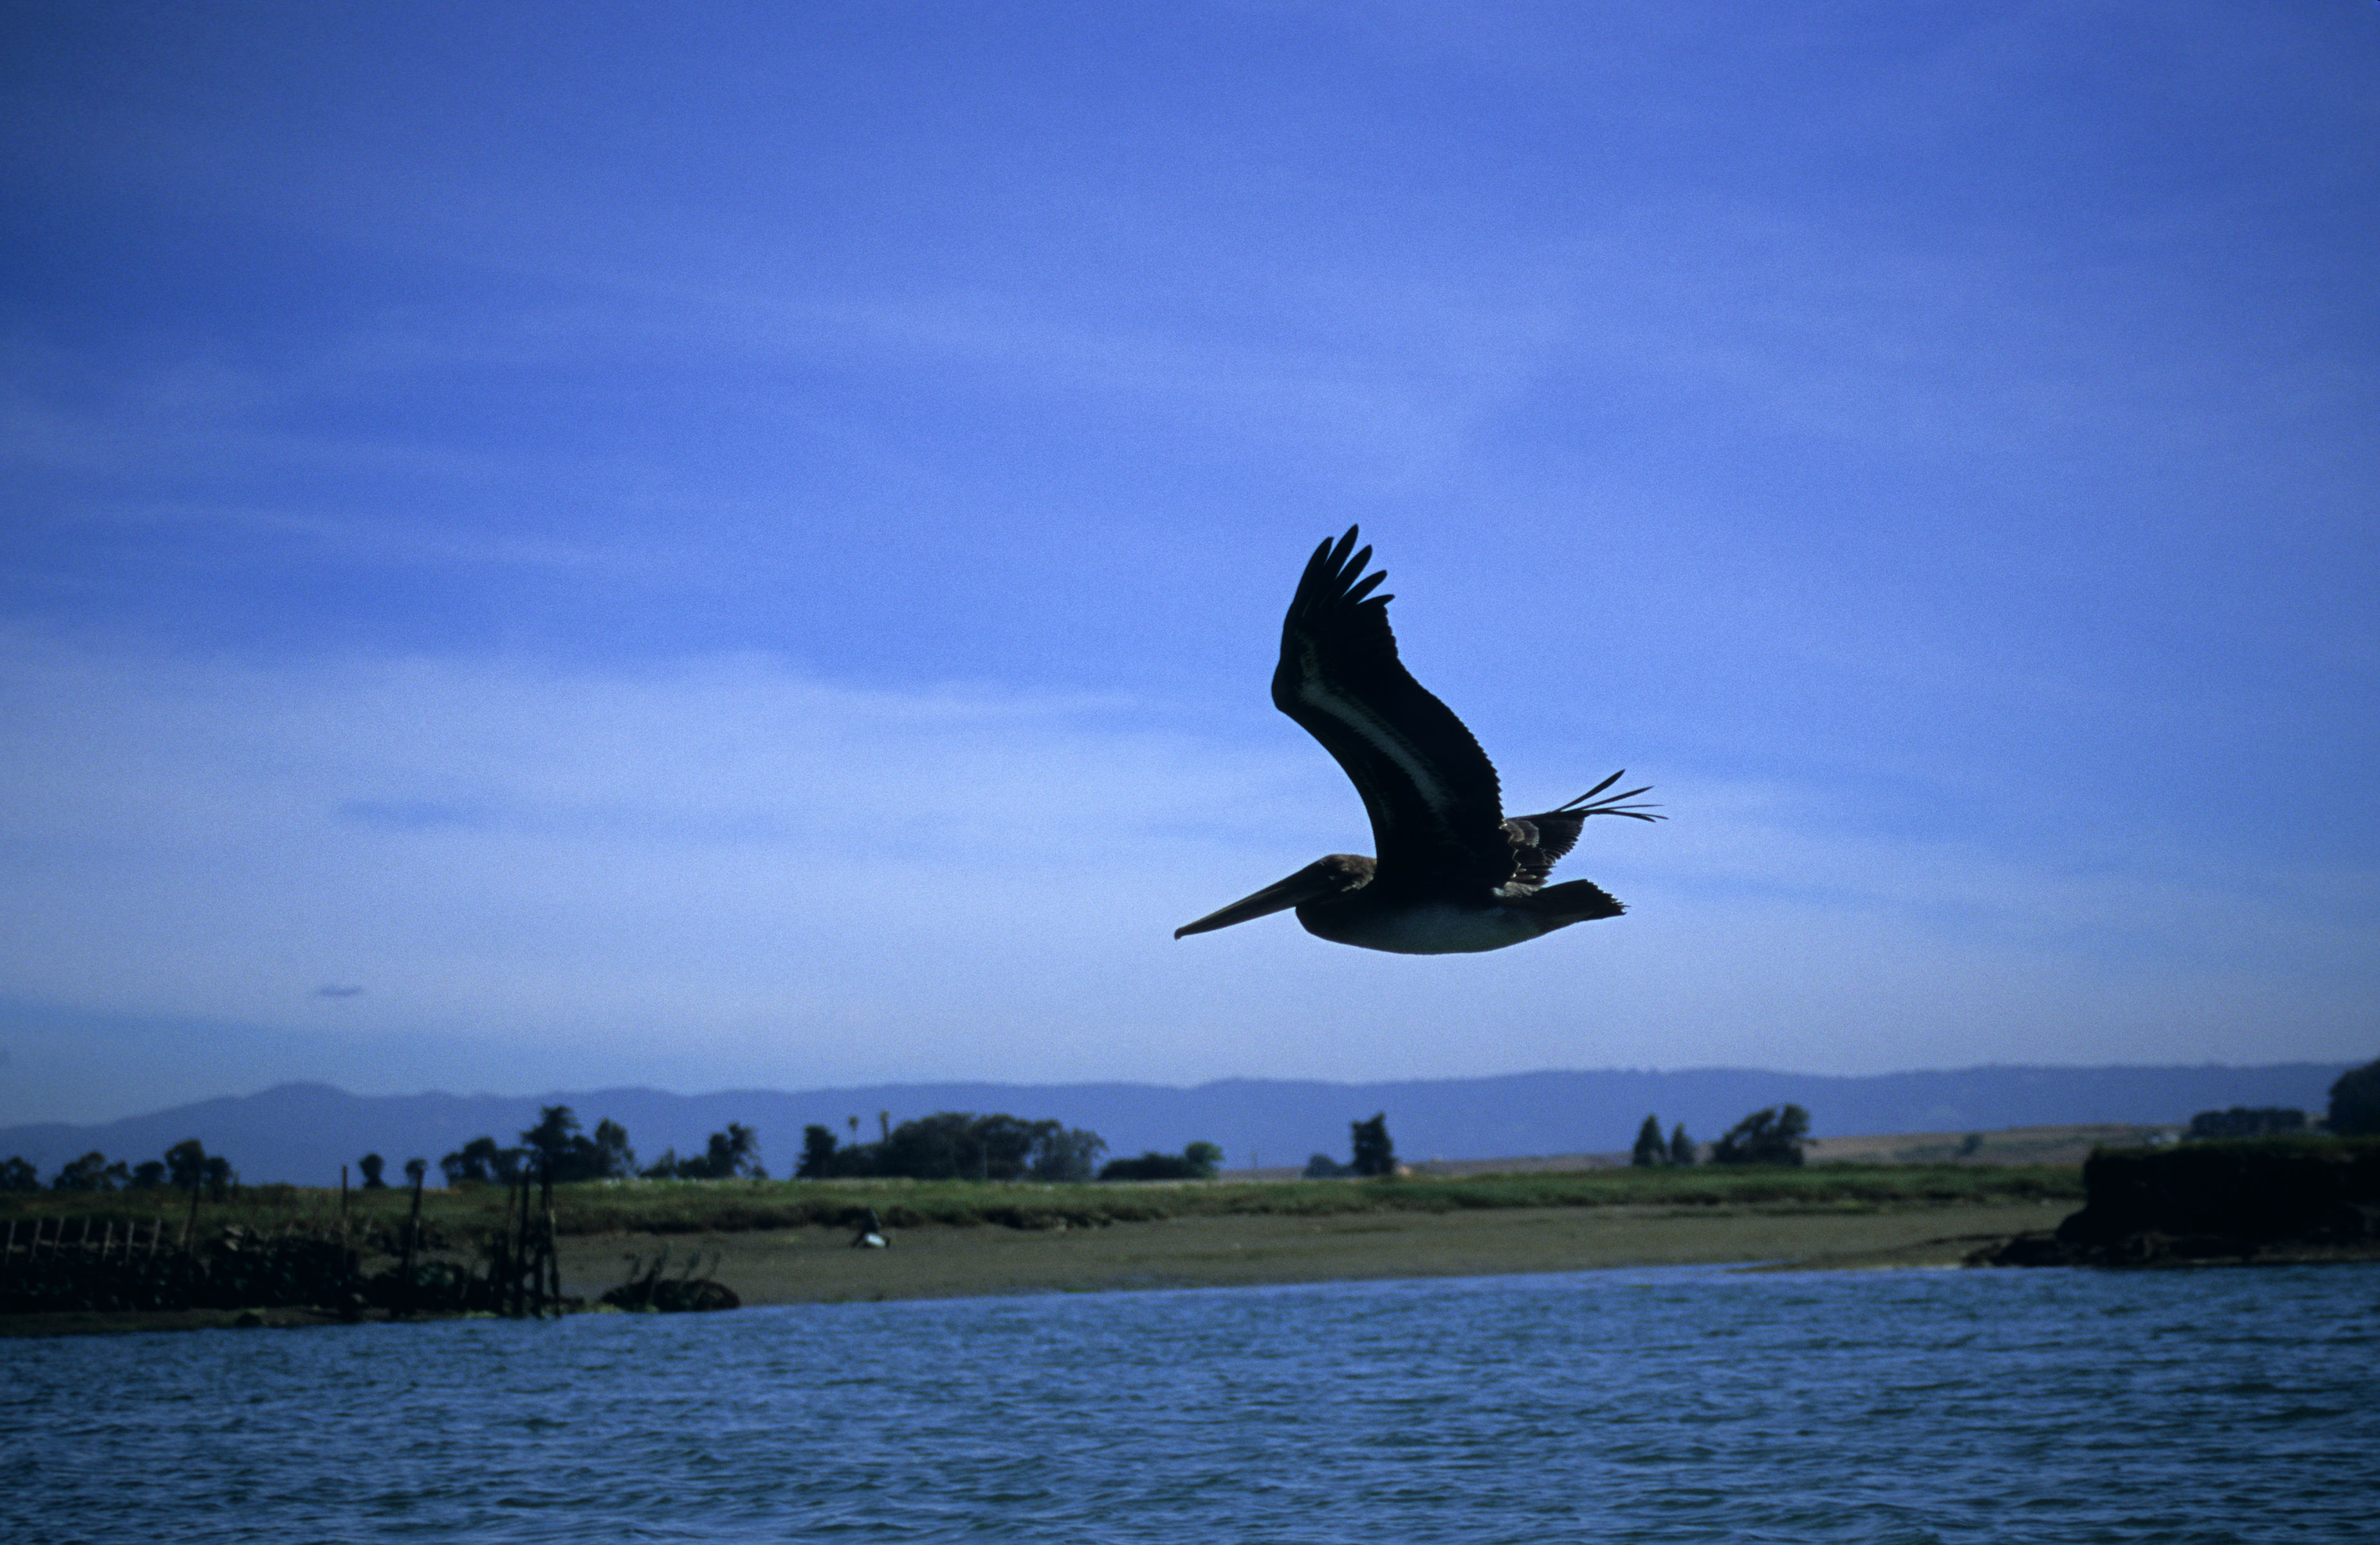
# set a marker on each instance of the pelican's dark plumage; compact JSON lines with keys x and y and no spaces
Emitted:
{"x":1453,"y":874}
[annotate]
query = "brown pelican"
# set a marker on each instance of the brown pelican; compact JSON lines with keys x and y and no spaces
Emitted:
{"x":1454,"y":875}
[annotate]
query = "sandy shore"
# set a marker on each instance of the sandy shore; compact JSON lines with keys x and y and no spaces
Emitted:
{"x":806,"y":1265}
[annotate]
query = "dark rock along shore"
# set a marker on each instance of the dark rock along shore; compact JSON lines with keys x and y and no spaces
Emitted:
{"x":2210,"y":1203}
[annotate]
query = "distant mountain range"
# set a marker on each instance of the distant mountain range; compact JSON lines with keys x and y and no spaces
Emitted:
{"x":301,"y":1133}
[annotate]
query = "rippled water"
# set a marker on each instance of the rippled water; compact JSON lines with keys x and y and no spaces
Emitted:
{"x":1696,"y":1405}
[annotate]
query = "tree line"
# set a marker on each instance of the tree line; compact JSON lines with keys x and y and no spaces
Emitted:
{"x":1773,"y":1135}
{"x":956,"y":1145}
{"x":961,"y":1145}
{"x":2354,"y":1112}
{"x":187,"y":1166}
{"x":953,"y":1145}
{"x":559,"y":1150}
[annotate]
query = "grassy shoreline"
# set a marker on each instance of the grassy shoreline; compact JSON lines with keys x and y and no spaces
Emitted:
{"x":816,"y":1264}
{"x":739,"y":1206}
{"x":784,"y":1242}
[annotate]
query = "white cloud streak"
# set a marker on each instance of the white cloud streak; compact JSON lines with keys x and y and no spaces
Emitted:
{"x":728,"y":865}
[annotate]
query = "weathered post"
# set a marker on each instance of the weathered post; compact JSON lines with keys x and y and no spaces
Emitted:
{"x":532,"y":1278}
{"x":508,"y":1253}
{"x":415,"y":1170}
{"x":505,"y":1269}
{"x":521,"y":1255}
{"x":552,"y":1248}
{"x":541,"y":1258}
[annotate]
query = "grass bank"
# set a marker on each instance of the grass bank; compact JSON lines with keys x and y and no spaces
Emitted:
{"x":739,"y":1206}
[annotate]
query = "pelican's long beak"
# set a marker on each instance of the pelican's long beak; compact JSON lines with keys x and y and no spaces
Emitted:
{"x":1312,"y":882}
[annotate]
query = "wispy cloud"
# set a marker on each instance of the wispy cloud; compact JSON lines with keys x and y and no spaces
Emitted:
{"x":809,"y":883}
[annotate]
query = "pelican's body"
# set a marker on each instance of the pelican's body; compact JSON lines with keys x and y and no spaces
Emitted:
{"x":1454,"y":876}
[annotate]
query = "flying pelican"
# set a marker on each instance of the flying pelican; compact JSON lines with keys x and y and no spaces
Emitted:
{"x":1452,"y":875}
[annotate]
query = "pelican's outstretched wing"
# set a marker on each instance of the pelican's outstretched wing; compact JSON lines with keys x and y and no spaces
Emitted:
{"x":1429,"y":789}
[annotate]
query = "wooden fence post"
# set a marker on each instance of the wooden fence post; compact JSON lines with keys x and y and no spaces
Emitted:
{"x":519,"y":1280}
{"x":412,"y":1229}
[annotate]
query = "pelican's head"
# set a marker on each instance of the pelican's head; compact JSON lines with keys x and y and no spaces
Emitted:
{"x":1332,"y":875}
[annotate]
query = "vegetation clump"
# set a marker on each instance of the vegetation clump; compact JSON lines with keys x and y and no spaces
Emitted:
{"x":729,"y":1155}
{"x":1198,"y":1162}
{"x":187,"y":1166}
{"x":2355,"y":1102}
{"x":1774,"y":1135}
{"x":2240,"y":1121}
{"x":956,"y":1145}
{"x":2287,"y":1198}
{"x":555,"y":1149}
{"x":1374,"y":1154}
{"x":1652,"y":1150}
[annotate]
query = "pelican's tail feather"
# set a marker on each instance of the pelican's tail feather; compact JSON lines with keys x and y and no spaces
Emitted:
{"x":1574,"y":901}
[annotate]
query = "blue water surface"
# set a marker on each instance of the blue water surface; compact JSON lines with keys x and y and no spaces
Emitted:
{"x":1688,"y":1404}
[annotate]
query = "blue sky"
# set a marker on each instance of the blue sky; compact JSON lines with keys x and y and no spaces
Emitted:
{"x":721,"y":546}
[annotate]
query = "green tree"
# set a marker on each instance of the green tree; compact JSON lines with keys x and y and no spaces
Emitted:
{"x":956,"y":1145}
{"x":937,"y":1147}
{"x":92,"y":1172}
{"x":1004,"y":1145}
{"x":736,"y":1151}
{"x":1374,"y":1153}
{"x":733,"y":1152}
{"x":191,"y":1168}
{"x":481,"y":1162}
{"x":149,"y":1176}
{"x":1649,"y":1149}
{"x":2240,"y":1121}
{"x":550,"y":1143}
{"x":1682,"y":1148}
{"x":2355,"y":1101}
{"x":371,"y":1164}
{"x":1321,"y":1166}
{"x":1067,"y":1154}
{"x":569,"y":1154}
{"x":613,"y":1157}
{"x":820,"y":1159}
{"x":1196,"y":1161}
{"x":18,"y":1174}
{"x":1771,"y":1137}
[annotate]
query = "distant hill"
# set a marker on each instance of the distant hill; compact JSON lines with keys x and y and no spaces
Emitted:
{"x":301,"y":1133}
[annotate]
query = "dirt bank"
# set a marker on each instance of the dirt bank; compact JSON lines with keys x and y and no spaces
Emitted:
{"x":815,"y":1265}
